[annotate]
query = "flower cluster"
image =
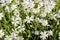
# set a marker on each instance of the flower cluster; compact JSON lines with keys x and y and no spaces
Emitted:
{"x":45,"y":34}
{"x":29,"y":20}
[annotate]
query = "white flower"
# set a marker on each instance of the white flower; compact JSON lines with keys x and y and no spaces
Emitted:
{"x":47,"y":9}
{"x":43,"y":15}
{"x":52,"y":16}
{"x":25,"y":4}
{"x":28,"y":4}
{"x":13,"y":6}
{"x":8,"y":1}
{"x":59,"y":35}
{"x":49,"y":33}
{"x":5,"y":1}
{"x":43,"y":22}
{"x":16,"y":20}
{"x":20,"y":38}
{"x":2,"y":1}
{"x":40,"y":4}
{"x":14,"y":35}
{"x":1,"y":15}
{"x":1,"y":33}
{"x":8,"y":37}
{"x":28,"y":19}
{"x":35,"y":10}
{"x":17,"y":2}
{"x":44,"y":35}
{"x":7,"y":9}
{"x":46,"y":2}
{"x":37,"y":19}
{"x":21,"y":28}
{"x":16,"y":12}
{"x":49,"y":5}
{"x":4,"y":4}
{"x":58,"y":14}
{"x":36,"y":32}
{"x":36,"y":1}
{"x":31,"y":4}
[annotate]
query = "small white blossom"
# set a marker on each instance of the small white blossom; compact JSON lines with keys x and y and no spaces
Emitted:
{"x":28,"y":4}
{"x":2,"y":1}
{"x":36,"y":32}
{"x":8,"y":1}
{"x":4,"y":4}
{"x":43,"y":15}
{"x":13,"y":6}
{"x":37,"y":19}
{"x":16,"y":20}
{"x":1,"y":15}
{"x":16,"y":12}
{"x":5,"y":1}
{"x":44,"y":35}
{"x":40,"y":4}
{"x":35,"y":10}
{"x":28,"y":19}
{"x":8,"y":37}
{"x":7,"y":9}
{"x":58,"y":14}
{"x":21,"y":28}
{"x":20,"y":38}
{"x":49,"y":5}
{"x":59,"y":35}
{"x":17,"y":2}
{"x":52,"y":16}
{"x":16,"y":37}
{"x":44,"y":22}
{"x":1,"y":33}
{"x":50,"y":32}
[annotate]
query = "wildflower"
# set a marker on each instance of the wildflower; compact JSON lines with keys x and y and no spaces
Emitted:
{"x":2,"y":1}
{"x":17,"y":2}
{"x":44,"y":35}
{"x":37,"y":19}
{"x":43,"y":22}
{"x":8,"y":37}
{"x":36,"y":1}
{"x":20,"y":38}
{"x":35,"y":10}
{"x":21,"y":28}
{"x":4,"y":4}
{"x":16,"y":13}
{"x":43,"y":15}
{"x":7,"y":9}
{"x":58,"y":14}
{"x":28,"y":4}
{"x":36,"y":32}
{"x":59,"y":35}
{"x":40,"y":4}
{"x":8,"y":1}
{"x":49,"y":5}
{"x":13,"y":6}
{"x":49,"y":33}
{"x":1,"y":15}
{"x":28,"y":19}
{"x":15,"y":21}
{"x":16,"y":37}
{"x":1,"y":33}
{"x":51,"y":16}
